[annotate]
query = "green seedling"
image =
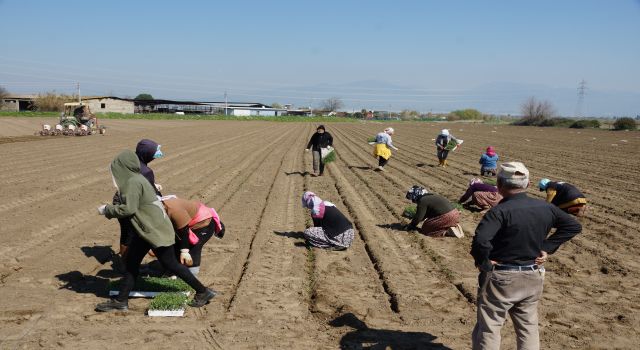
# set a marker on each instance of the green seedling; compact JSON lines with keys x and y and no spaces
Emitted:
{"x":409,"y":212}
{"x":168,"y":301}
{"x":156,"y":284}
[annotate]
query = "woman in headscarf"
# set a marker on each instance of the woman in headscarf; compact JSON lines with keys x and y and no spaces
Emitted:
{"x":489,"y":162}
{"x":565,"y":196}
{"x":442,"y":141}
{"x":439,"y":216}
{"x":321,"y":139}
{"x":482,"y":195}
{"x":193,"y":223}
{"x":331,"y":229}
{"x":384,"y":144}
{"x":152,"y":229}
{"x":146,"y":151}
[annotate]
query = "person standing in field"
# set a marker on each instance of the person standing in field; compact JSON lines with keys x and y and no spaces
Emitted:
{"x":482,"y":195}
{"x":331,"y":229}
{"x":146,"y":151}
{"x":439,"y":216}
{"x":383,"y":146}
{"x":565,"y":196}
{"x":509,"y":247}
{"x":489,"y":162}
{"x":441,"y":147}
{"x":194,"y":224}
{"x":319,"y":140}
{"x":153,"y":230}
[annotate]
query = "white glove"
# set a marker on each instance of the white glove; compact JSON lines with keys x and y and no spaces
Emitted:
{"x":185,"y":257}
{"x":158,"y":187}
{"x":102,"y":209}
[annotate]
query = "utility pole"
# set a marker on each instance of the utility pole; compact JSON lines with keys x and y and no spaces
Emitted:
{"x":582,"y":87}
{"x":226,"y":104}
{"x":79,"y":99}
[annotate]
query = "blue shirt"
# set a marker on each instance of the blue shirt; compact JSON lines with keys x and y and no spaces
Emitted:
{"x":489,"y":162}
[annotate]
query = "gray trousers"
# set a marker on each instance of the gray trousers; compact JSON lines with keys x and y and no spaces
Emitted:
{"x":516,"y":293}
{"x":318,"y":164}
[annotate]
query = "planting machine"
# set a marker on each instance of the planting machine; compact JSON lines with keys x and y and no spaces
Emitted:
{"x":76,"y":120}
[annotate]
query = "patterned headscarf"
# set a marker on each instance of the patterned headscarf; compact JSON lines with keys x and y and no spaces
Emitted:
{"x":389,"y":131}
{"x":415,"y":193}
{"x":317,"y":205}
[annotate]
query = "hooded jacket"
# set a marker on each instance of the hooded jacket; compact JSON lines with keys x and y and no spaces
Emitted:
{"x":139,"y":201}
{"x":145,"y":149}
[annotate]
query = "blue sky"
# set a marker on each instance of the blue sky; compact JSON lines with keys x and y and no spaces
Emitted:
{"x":427,"y":55}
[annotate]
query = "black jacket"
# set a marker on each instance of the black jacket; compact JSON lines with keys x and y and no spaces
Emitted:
{"x":515,"y":231}
{"x":333,"y":223}
{"x":564,"y":192}
{"x":320,"y":141}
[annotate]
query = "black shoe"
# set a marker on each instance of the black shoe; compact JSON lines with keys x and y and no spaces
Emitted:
{"x":202,"y":299}
{"x":113,"y":305}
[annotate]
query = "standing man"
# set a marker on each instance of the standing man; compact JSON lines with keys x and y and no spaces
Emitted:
{"x":321,"y":139}
{"x":509,"y":248}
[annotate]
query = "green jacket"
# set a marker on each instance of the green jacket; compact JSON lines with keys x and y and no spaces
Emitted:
{"x":139,"y":201}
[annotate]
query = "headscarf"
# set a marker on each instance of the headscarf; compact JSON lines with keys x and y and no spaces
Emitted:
{"x":474,"y":181}
{"x":389,"y":131}
{"x":543,"y":184}
{"x":320,"y":127}
{"x":491,"y":151}
{"x":415,"y":193}
{"x":317,"y":205}
{"x":444,"y":132}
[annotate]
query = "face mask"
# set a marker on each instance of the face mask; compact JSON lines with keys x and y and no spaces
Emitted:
{"x":158,"y":153}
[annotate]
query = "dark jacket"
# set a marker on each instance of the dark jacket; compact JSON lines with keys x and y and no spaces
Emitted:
{"x":442,"y":141}
{"x":430,"y":206}
{"x":139,"y":202}
{"x":564,"y":192}
{"x":145,"y":151}
{"x":319,"y":140}
{"x":515,"y":231}
{"x":333,"y":223}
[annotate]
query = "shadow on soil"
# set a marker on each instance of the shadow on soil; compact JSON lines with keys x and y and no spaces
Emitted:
{"x":102,"y":253}
{"x":422,"y":165}
{"x":81,"y":283}
{"x":363,"y":337}
{"x":359,"y":167}
{"x":301,"y":173}
{"x":295,"y":235}
{"x":398,"y":226}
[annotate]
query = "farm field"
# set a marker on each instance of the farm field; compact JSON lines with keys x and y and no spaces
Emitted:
{"x":392,"y":289}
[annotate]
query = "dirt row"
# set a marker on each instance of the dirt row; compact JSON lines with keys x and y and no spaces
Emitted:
{"x":391,"y":289}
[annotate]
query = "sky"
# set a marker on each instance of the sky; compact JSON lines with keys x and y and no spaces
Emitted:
{"x":394,"y":55}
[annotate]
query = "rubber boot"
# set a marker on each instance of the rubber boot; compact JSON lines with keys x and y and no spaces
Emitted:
{"x":444,"y":163}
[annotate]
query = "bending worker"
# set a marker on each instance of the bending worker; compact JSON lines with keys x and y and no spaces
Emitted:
{"x":194,"y":223}
{"x":438,"y":214}
{"x":565,"y":196}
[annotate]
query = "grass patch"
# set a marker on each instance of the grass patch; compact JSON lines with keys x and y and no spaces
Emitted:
{"x":490,"y":181}
{"x":458,"y":206}
{"x":156,"y":284}
{"x":30,"y":114}
{"x":168,"y":301}
{"x":409,"y":211}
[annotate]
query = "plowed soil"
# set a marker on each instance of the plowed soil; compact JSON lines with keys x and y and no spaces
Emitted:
{"x":392,"y":289}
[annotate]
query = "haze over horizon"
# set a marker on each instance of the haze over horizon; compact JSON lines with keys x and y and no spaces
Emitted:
{"x":422,"y":55}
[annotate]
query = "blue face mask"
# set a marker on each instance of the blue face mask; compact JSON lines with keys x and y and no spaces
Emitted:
{"x":158,"y":153}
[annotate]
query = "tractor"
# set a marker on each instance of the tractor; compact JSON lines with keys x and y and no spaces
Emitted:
{"x":76,"y":120}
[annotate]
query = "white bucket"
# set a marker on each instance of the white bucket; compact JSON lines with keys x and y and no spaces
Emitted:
{"x":84,"y":127}
{"x":46,"y":127}
{"x":59,"y":127}
{"x":71,"y":127}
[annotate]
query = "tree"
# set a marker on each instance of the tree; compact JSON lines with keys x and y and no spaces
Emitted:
{"x":4,"y":93}
{"x":407,"y":114}
{"x":535,"y":112}
{"x":465,"y":114}
{"x":331,"y":104}
{"x":276,"y":105}
{"x":625,"y":124}
{"x":144,"y":96}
